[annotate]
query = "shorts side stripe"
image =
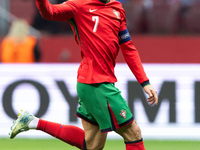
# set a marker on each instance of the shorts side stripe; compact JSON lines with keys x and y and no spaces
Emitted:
{"x":114,"y":122}
{"x":120,"y":125}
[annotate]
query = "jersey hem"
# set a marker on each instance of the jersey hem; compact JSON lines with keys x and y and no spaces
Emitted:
{"x":84,"y":82}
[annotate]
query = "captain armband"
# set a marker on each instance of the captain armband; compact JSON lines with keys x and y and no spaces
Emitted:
{"x":124,"y":36}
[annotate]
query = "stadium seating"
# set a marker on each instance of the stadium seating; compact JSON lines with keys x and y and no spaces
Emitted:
{"x":134,"y":16}
{"x":191,"y":22}
{"x":23,"y":9}
{"x":163,"y":17}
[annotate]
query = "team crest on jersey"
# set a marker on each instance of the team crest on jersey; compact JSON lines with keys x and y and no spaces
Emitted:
{"x":116,"y":13}
{"x":123,"y":113}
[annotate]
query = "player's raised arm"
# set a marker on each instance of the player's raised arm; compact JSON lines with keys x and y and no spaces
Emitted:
{"x":57,"y":12}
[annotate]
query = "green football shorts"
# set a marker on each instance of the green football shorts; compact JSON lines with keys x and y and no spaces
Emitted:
{"x":102,"y":104}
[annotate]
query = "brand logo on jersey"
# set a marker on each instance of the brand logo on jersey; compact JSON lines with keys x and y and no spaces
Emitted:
{"x":123,"y":113}
{"x":92,"y":10}
{"x":116,"y":13}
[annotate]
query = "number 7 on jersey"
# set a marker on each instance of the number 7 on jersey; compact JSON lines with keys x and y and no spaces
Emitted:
{"x":96,"y":19}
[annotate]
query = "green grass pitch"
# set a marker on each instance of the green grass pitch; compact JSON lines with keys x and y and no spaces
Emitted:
{"x":54,"y":144}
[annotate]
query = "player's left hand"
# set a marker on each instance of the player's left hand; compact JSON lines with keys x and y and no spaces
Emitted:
{"x":153,"y":98}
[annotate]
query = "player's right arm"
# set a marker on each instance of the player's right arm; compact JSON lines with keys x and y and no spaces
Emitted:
{"x":58,"y":12}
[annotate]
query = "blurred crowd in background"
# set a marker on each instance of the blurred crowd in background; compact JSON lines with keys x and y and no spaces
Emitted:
{"x":144,"y":16}
{"x":163,"y":16}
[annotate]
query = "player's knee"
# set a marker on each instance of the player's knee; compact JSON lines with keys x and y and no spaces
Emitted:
{"x":134,"y":133}
{"x":100,"y":147}
{"x":137,"y":132}
{"x":95,"y":147}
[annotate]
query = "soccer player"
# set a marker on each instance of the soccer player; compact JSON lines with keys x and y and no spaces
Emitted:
{"x":100,"y":30}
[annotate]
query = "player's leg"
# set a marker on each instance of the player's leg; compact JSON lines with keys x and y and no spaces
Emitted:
{"x":67,"y":133}
{"x":130,"y":132}
{"x":122,"y":119}
{"x":94,"y":139}
{"x":132,"y":136}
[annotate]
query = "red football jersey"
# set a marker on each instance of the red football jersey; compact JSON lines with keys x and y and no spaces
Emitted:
{"x":100,"y":29}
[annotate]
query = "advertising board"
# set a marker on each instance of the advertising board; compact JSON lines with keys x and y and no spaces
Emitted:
{"x":49,"y":92}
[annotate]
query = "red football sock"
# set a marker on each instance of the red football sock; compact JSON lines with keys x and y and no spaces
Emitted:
{"x":67,"y":133}
{"x":135,"y":145}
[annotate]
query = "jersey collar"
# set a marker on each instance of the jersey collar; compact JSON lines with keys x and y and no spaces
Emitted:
{"x":104,"y":1}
